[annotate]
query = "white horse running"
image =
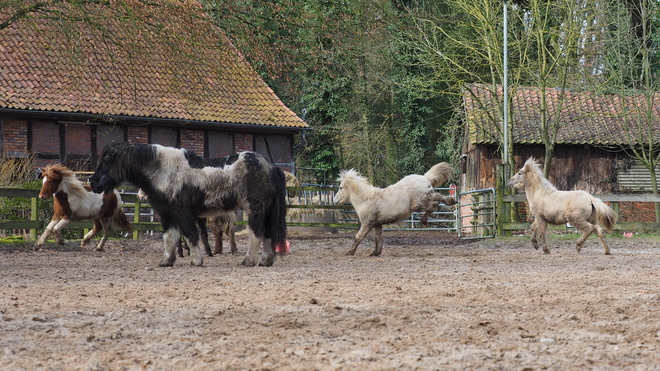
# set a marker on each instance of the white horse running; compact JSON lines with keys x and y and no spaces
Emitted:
{"x":548,"y":205}
{"x":378,"y":206}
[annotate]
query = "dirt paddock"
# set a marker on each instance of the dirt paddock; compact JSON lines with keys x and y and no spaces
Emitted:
{"x":429,"y":302}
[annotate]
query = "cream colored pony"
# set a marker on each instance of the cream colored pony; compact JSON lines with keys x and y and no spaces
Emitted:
{"x":548,"y":205}
{"x":378,"y":206}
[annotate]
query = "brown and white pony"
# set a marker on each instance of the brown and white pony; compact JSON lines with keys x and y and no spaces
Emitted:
{"x":548,"y":205}
{"x":378,"y":206}
{"x":75,"y":201}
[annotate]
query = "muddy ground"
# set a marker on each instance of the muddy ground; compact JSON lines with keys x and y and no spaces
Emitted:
{"x":429,"y":302}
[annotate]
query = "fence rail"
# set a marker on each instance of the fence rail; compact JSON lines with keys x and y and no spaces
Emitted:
{"x":614,"y":199}
{"x":131,"y":203}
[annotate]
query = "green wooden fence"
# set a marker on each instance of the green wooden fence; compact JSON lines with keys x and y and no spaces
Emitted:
{"x":131,"y":201}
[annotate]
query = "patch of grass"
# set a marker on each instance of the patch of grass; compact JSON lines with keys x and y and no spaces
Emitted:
{"x":13,"y":240}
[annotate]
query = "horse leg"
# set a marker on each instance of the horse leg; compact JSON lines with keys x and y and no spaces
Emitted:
{"x":180,"y":246}
{"x":364,"y":229}
{"x":542,"y":231}
{"x":378,"y":232}
{"x":252,"y":256}
{"x":196,"y":256}
{"x":170,"y":240}
{"x":268,"y":254}
{"x":232,"y":240}
{"x":217,"y":234}
{"x":586,"y":228}
{"x":47,"y":232}
{"x":57,"y":230}
{"x":601,"y":235}
{"x":92,"y":232}
{"x":535,"y":232}
{"x":106,"y":224}
{"x":204,"y":234}
{"x":444,"y":199}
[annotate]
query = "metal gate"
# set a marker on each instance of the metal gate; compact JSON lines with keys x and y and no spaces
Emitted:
{"x":445,"y":219}
{"x":472,"y":217}
{"x":475,"y":214}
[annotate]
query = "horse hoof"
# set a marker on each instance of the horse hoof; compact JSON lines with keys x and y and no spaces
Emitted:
{"x":249,"y":262}
{"x":450,"y":201}
{"x":195,"y":263}
{"x":374,"y":254}
{"x":350,"y":252}
{"x":166,"y":262}
{"x":267,"y":262}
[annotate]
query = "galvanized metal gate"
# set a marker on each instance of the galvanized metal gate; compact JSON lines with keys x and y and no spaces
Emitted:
{"x":442,"y":220}
{"x":475,"y":214}
{"x":472,"y":217}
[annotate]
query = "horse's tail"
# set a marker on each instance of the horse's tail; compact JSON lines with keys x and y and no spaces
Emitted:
{"x":438,"y":174}
{"x":120,"y":220}
{"x":276,"y":218}
{"x":605,"y":215}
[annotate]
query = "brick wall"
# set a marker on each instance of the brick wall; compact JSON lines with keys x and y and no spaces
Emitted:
{"x":138,"y":134}
{"x":45,"y":137}
{"x":193,"y":140}
{"x":14,"y":135}
{"x":243,"y":142}
{"x":78,"y":139}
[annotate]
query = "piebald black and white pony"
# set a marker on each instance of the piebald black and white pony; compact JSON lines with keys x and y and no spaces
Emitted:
{"x":181,"y":190}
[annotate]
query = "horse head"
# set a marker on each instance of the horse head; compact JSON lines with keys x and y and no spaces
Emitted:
{"x":346,"y":180}
{"x":530,"y":172}
{"x":52,"y":176}
{"x":108,"y":174}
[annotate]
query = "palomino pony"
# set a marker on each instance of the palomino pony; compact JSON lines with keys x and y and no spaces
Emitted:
{"x":378,"y":206}
{"x":74,"y":201}
{"x":181,"y":191}
{"x":548,"y":205}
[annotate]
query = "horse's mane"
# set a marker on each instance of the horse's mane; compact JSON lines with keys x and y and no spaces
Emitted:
{"x":534,"y":168}
{"x":68,"y":176}
{"x":357,"y":183}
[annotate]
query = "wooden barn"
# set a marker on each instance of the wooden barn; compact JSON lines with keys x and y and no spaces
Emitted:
{"x":589,"y":153}
{"x":152,"y":74}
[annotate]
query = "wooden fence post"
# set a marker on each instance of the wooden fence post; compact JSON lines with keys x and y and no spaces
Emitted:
{"x":503,"y":209}
{"x":136,"y":218}
{"x":34,"y":213}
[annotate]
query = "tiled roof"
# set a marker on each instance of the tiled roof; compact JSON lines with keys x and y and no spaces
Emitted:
{"x":584,"y":117}
{"x":158,"y":62}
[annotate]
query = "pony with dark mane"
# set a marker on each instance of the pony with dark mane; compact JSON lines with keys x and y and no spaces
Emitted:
{"x":223,"y":224}
{"x":548,"y":205}
{"x":378,"y":206}
{"x":75,"y":201}
{"x":182,"y":189}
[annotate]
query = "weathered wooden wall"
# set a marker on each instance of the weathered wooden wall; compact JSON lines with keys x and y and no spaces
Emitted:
{"x":573,"y":167}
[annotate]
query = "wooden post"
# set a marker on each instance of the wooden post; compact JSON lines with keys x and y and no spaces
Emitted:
{"x":137,"y":209}
{"x":34,"y":213}
{"x":503,"y":209}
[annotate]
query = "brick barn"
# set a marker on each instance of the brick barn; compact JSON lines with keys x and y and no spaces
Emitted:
{"x":165,"y":76}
